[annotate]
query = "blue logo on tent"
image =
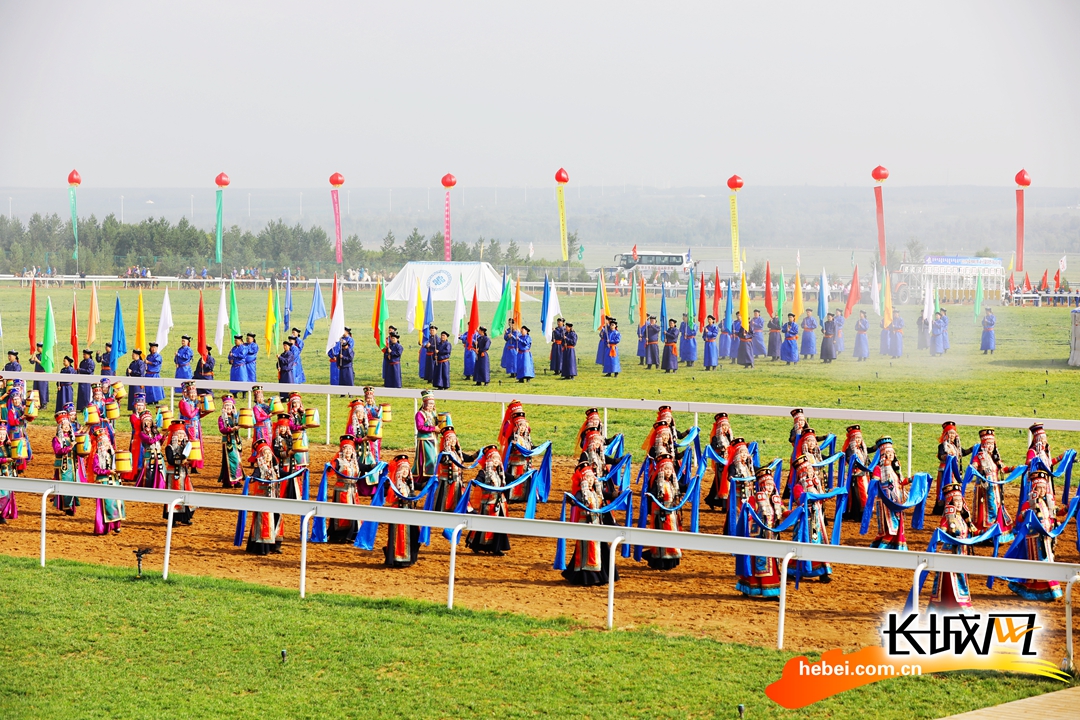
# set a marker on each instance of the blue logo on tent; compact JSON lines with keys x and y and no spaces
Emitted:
{"x":440,"y":279}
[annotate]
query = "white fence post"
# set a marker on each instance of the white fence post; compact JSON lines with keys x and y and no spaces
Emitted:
{"x":327,"y":420}
{"x":44,"y":504}
{"x":454,"y":537}
{"x":910,"y":449}
{"x":1070,"y":658}
{"x":611,"y":581}
{"x":783,"y":600}
{"x":303,"y":551}
{"x":915,"y":587}
{"x":168,"y":537}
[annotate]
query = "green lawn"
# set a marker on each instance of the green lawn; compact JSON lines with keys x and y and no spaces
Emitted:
{"x":87,"y":642}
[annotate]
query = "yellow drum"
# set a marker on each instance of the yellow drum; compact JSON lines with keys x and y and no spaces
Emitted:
{"x":91,"y":416}
{"x":207,"y":403}
{"x":165,"y":416}
{"x":247,"y":418}
{"x":33,"y":396}
{"x":276,"y":406}
{"x":112,"y":409}
{"x":82,"y":444}
{"x":444,"y":420}
{"x":123,"y":462}
{"x":196,"y":451}
{"x":31,"y":409}
{"x":311,"y":418}
{"x":386,"y":414}
{"x":22,"y":449}
{"x":299,"y":441}
{"x":374,"y":431}
{"x":119,"y":391}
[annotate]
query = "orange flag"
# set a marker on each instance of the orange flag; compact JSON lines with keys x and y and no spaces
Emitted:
{"x":853,"y":293}
{"x":74,"y":333}
{"x":517,"y":303}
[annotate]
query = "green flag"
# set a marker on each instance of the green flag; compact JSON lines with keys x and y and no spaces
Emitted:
{"x":74,"y":222}
{"x":781,"y":298}
{"x":978,"y":297}
{"x":506,"y":304}
{"x":384,"y":317}
{"x":937,"y":301}
{"x":234,"y":314}
{"x":691,"y":304}
{"x":598,"y":302}
{"x":48,"y":343}
{"x":277,"y":317}
{"x":217,"y":246}
{"x":635,"y":301}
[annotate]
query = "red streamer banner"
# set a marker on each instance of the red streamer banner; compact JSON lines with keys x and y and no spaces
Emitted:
{"x":1019,"y":230}
{"x":446,"y":229}
{"x":337,"y":224}
{"x":880,"y":223}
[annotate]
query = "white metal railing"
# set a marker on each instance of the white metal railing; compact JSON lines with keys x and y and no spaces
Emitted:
{"x":785,"y":550}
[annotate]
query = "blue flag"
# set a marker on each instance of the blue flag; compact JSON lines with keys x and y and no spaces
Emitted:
{"x":287,"y":310}
{"x":544,"y":306}
{"x":663,"y":312}
{"x":823,"y":298}
{"x":729,"y":311}
{"x":119,"y":337}
{"x":318,"y":311}
{"x":429,"y":313}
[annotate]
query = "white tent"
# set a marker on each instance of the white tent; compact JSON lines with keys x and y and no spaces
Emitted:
{"x":442,"y":279}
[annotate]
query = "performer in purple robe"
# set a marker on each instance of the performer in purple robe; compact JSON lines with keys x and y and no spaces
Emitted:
{"x":757,"y":327}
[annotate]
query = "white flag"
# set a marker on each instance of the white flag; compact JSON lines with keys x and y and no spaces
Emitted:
{"x":337,"y":322}
{"x":530,"y":251}
{"x":1,"y":326}
{"x":553,"y":312}
{"x":875,"y":294}
{"x":798,"y":258}
{"x":222,"y":321}
{"x":410,"y":309}
{"x":459,"y":313}
{"x":928,"y":301}
{"x":1061,"y":264}
{"x":165,"y":322}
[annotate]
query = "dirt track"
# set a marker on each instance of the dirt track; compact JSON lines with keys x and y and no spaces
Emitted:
{"x":697,"y":598}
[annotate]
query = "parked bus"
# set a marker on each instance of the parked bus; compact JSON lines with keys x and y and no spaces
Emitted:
{"x":677,"y":265}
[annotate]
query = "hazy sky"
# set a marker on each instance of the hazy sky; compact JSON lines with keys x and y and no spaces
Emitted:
{"x":282,"y":94}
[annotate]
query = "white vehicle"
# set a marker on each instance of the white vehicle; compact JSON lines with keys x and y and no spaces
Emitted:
{"x":677,"y":265}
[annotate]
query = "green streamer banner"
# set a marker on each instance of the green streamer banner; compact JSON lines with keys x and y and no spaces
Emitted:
{"x":217,"y":248}
{"x":74,"y":221}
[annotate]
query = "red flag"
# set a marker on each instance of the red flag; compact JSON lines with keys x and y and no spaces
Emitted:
{"x":716,"y":293}
{"x":1012,"y":284}
{"x":1057,"y":280}
{"x":74,"y":332}
{"x":333,"y":300}
{"x":474,"y":321}
{"x":768,"y":289}
{"x":701,"y":305}
{"x":1027,"y":283}
{"x":853,"y":293}
{"x":200,"y":340}
{"x":1045,"y":284}
{"x":33,"y":315}
{"x":633,"y":253}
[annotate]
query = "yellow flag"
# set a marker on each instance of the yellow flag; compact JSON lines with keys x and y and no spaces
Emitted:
{"x":268,"y":330}
{"x":744,"y":302}
{"x":888,"y":313}
{"x":603,"y":288}
{"x":1012,"y":258}
{"x":418,"y":316}
{"x":796,"y":300}
{"x":95,"y":316}
{"x":140,"y":327}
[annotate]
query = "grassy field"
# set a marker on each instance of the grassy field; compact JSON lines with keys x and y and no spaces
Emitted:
{"x":1027,"y":377}
{"x":88,"y":641}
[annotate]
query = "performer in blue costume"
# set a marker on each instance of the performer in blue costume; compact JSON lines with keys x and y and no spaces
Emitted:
{"x":886,"y":337}
{"x":509,"y":355}
{"x":482,"y":368}
{"x":809,"y":338}
{"x":440,"y":377}
{"x":828,"y":339}
{"x":670,"y":363}
{"x":757,"y":327}
{"x":989,"y":336}
{"x":251,"y":357}
{"x":840,"y":320}
{"x":776,"y":338}
{"x":688,"y":342}
{"x":237,"y":358}
{"x":652,"y":344}
{"x":789,"y":350}
{"x":298,"y":363}
{"x":945,"y":331}
{"x":569,"y":358}
{"x":897,"y":330}
{"x":611,"y":352}
{"x":65,"y":393}
{"x":711,"y":351}
{"x":526,"y":370}
{"x":641,"y":343}
{"x":154,"y":393}
{"x":862,"y":345}
{"x":937,"y":336}
{"x":469,"y":354}
{"x":733,"y":338}
{"x":345,"y":359}
{"x":746,"y":348}
{"x":183,"y":358}
{"x":42,"y":386}
{"x":555,"y":354}
{"x":427,"y":352}
{"x":332,"y":355}
{"x":392,"y":378}
{"x":86,"y":367}
{"x":136,"y":369}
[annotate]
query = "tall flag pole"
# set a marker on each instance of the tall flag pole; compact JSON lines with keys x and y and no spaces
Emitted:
{"x":48,"y":343}
{"x":517,"y":303}
{"x":165,"y":322}
{"x":643,"y":309}
{"x":448,"y":182}
{"x":32,"y":327}
{"x":880,"y":174}
{"x":768,"y":290}
{"x":598,"y":302}
{"x":502,"y":310}
{"x":796,"y":296}
{"x":717,"y":291}
{"x":744,"y":302}
{"x":140,"y":326}
{"x":222,"y":320}
{"x":978,"y":297}
{"x":1023,"y":180}
{"x":74,"y":180}
{"x":458,"y":323}
{"x":561,"y":179}
{"x":735,"y":184}
{"x":635,"y":297}
{"x":269,"y":327}
{"x":781,"y":296}
{"x":474,"y":321}
{"x":222,"y":182}
{"x":119,"y":337}
{"x":288,"y":307}
{"x":336,"y":181}
{"x":823,"y":298}
{"x":234,"y":313}
{"x":379,"y":316}
{"x":690,"y":309}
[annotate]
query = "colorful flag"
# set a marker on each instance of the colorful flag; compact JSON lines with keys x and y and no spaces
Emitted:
{"x":781,"y":296}
{"x":886,"y":302}
{"x":458,"y":323}
{"x":1044,"y":284}
{"x":269,"y":326}
{"x":550,"y":309}
{"x":502,"y":310}
{"x":853,"y":293}
{"x":380,"y":316}
{"x":200,"y":335}
{"x":32,"y":330}
{"x":222,"y":320}
{"x":729,"y":310}
{"x":74,"y":331}
{"x":337,"y":318}
{"x":317,"y":312}
{"x":978,"y":298}
{"x":517,"y":302}
{"x":643,"y":308}
{"x":796,"y":296}
{"x":119,"y":337}
{"x":768,"y":290}
{"x":717,"y":291}
{"x":701,"y":315}
{"x":1012,"y":285}
{"x":333,"y":298}
{"x":288,"y":308}
{"x":823,"y":298}
{"x":1027,"y":283}
{"x":165,"y":322}
{"x":140,"y":326}
{"x":744,"y":302}
{"x":598,"y":302}
{"x":635,"y":297}
{"x":875,"y":293}
{"x":48,"y":342}
{"x":690,"y":304}
{"x":1061,"y":264}
{"x":234,"y":314}
{"x":95,"y":316}
{"x":412,"y":319}
{"x":663,"y":313}
{"x":1057,"y":280}
{"x":474,"y":320}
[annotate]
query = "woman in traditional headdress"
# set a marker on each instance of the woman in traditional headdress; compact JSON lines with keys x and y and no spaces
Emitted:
{"x":266,"y":531}
{"x":151,"y":471}
{"x":402,"y":541}
{"x":177,"y":452}
{"x":764,"y":580}
{"x":261,"y":408}
{"x":517,"y":463}
{"x":108,"y":513}
{"x":719,"y":440}
{"x":807,"y":480}
{"x":988,"y":497}
{"x":9,"y":467}
{"x":1037,"y":546}
{"x":951,"y":590}
{"x":948,"y":446}
{"x":856,"y":460}
{"x":450,"y":472}
{"x":231,"y":474}
{"x":589,"y":563}
{"x":66,"y":466}
{"x":664,"y":486}
{"x":489,"y":503}
{"x":427,"y":435}
{"x":347,"y":467}
{"x":893,"y":485}
{"x":191,"y":413}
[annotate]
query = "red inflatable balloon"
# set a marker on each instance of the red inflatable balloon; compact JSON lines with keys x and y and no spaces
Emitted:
{"x":880,"y":173}
{"x":735,"y":182}
{"x":562,"y":176}
{"x":448,"y":181}
{"x":222,"y":180}
{"x":1023,"y":179}
{"x":75,"y":179}
{"x":337,"y":180}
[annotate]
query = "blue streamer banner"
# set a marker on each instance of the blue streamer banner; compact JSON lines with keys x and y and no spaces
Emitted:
{"x":917,"y":493}
{"x":543,"y":472}
{"x":241,"y":516}
{"x":318,"y":525}
{"x":365,"y":536}
{"x":623,"y":503}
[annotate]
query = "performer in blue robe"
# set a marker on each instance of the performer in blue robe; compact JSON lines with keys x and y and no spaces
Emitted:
{"x":569,"y":358}
{"x":204,"y":369}
{"x":989,"y":336}
{"x":862,"y":345}
{"x":601,"y":345}
{"x":427,"y":352}
{"x":104,"y":360}
{"x":886,"y":337}
{"x":945,"y":329}
{"x":733,"y":339}
{"x":612,"y":366}
{"x":42,"y":386}
{"x":789,"y":349}
{"x":332,"y":354}
{"x":182,"y":359}
{"x":937,"y":336}
{"x":897,"y":329}
{"x":555,"y":354}
{"x":13,"y":364}
{"x":136,"y":369}
{"x":828,"y":339}
{"x":526,"y":370}
{"x":482,"y":368}
{"x":688,"y":342}
{"x":775,"y":338}
{"x":251,"y":357}
{"x":652,"y":344}
{"x":711,"y":338}
{"x":345,"y":359}
{"x":298,"y":361}
{"x":757,"y":327}
{"x":745,"y":353}
{"x":237,"y":363}
{"x":392,"y":379}
{"x":285,"y":363}
{"x":809,"y":337}
{"x":840,"y":320}
{"x":641,"y":343}
{"x":723,"y":343}
{"x":670,"y":362}
{"x":65,"y":393}
{"x":509,"y":355}
{"x":469,"y":354}
{"x":86,"y":367}
{"x":440,"y":377}
{"x":154,"y":393}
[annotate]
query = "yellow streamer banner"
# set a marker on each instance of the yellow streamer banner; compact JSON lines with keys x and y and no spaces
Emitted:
{"x":562,"y":223}
{"x":734,"y":235}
